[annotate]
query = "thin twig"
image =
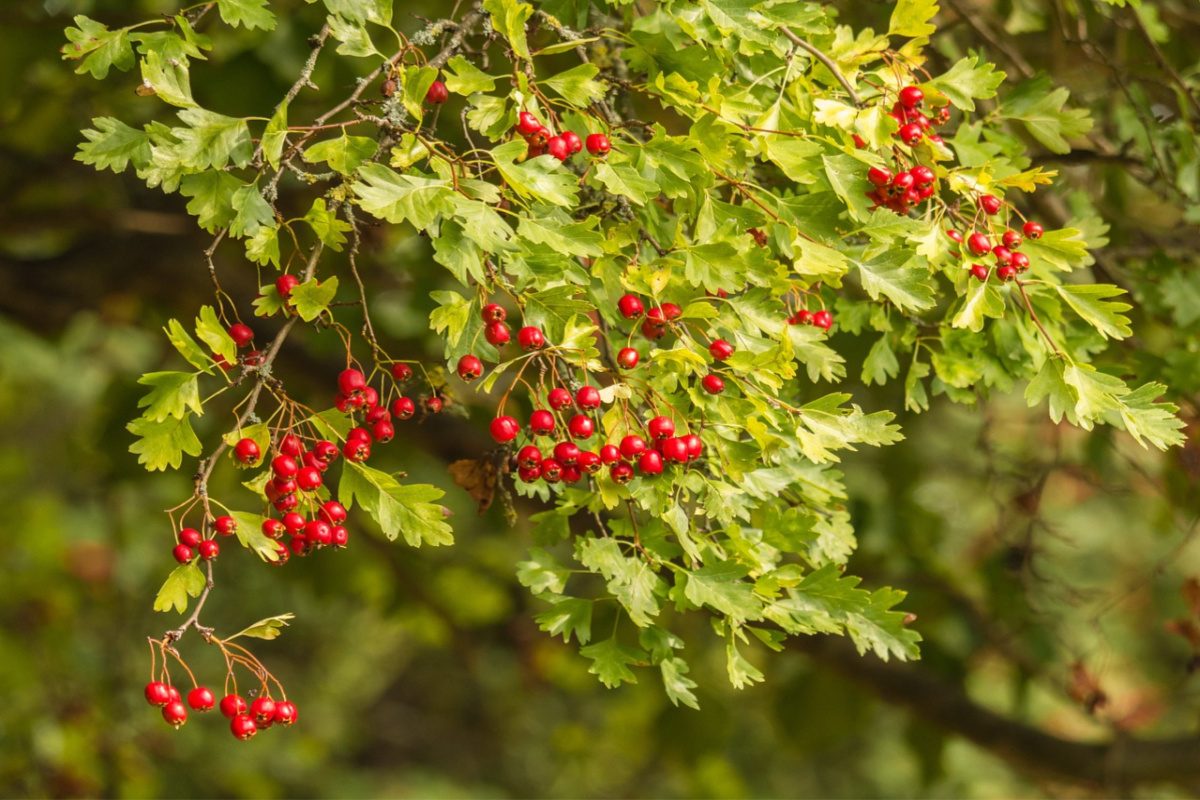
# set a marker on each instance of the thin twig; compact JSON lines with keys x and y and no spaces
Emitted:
{"x":827,"y":61}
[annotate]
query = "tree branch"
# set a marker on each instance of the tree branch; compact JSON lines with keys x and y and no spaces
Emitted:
{"x":826,"y":60}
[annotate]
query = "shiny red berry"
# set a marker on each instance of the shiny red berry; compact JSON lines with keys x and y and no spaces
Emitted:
{"x":401,"y":372}
{"x":497,"y":334}
{"x":433,"y":405}
{"x":598,"y":144}
{"x":979,"y":244}
{"x":650,"y":463}
{"x":1012,"y":240}
{"x":183,"y":554}
{"x":694,"y":446}
{"x":541,"y":422}
{"x":1020,"y":261}
{"x":241,"y":334}
{"x":263,"y":710}
{"x":558,"y":147}
{"x":632,"y":446}
{"x":356,"y":450}
{"x":628,"y":358}
{"x":157,"y":693}
{"x":285,"y":713}
{"x":469,"y":368}
{"x":309,"y":479}
{"x":573,"y":141}
{"x":660,"y":428}
{"x":880,"y":176}
{"x":980,"y":271}
{"x":630,"y":307}
{"x":242,"y":726}
{"x":552,"y":470}
{"x":581,"y":427}
{"x":190,"y":536}
{"x":621,"y":472}
{"x":246,"y":451}
{"x":990,"y":203}
{"x":1006,"y":273}
{"x":226,"y":526}
{"x":284,"y":285}
{"x":175,"y":713}
{"x":529,"y":457}
{"x":351,"y":381}
{"x":403,"y":408}
{"x":720,"y":350}
{"x":527,"y":123}
{"x":566,"y":453}
{"x":437,"y":94}
{"x":911,"y":96}
{"x":208,"y":550}
{"x":558,"y":398}
{"x":713,"y":384}
{"x":955,"y":236}
{"x":1033,"y":230}
{"x":201,"y":699}
{"x":922,"y":175}
{"x":588,"y":397}
{"x":493,"y":312}
{"x":911,"y":134}
{"x":273,"y":528}
{"x":504,"y":429}
{"x":531,"y":338}
{"x":232,"y":705}
{"x":674,"y":449}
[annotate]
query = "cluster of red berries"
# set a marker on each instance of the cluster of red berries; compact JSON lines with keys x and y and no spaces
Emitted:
{"x":914,"y":125}
{"x":245,"y":720}
{"x":658,"y":321}
{"x":242,"y":336}
{"x":497,"y":333}
{"x":1009,"y":262}
{"x":562,"y":146}
{"x":193,"y":544}
{"x":903,"y":190}
{"x":821,"y":318}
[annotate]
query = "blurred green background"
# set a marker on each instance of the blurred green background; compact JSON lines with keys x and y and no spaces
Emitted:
{"x":1038,"y":558}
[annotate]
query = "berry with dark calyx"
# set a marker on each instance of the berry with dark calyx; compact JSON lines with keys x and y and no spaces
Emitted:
{"x":823,"y":319}
{"x":630,"y":307}
{"x":670,"y":312}
{"x":1003,"y":255}
{"x":343,"y":404}
{"x":282,"y":554}
{"x":566,"y":453}
{"x":927,"y":191}
{"x":283,"y":486}
{"x":558,"y":147}
{"x":980,"y":271}
{"x":286,"y":503}
{"x":263,"y":710}
{"x":493,"y":312}
{"x":610,"y":454}
{"x":401,"y":372}
{"x":284,"y":467}
{"x":527,"y":123}
{"x":922,"y":174}
{"x":598,"y":144}
{"x":157,"y":694}
{"x":273,"y":528}
{"x":339,"y":537}
{"x":902,"y":182}
{"x":531,"y":338}
{"x":581,"y":427}
{"x":660,"y":428}
{"x":351,"y":381}
{"x":632,"y":446}
{"x":573,"y":141}
{"x":359,"y":433}
{"x":1006,"y":273}
{"x":504,"y":429}
{"x":879,"y":176}
{"x":802,"y":317}
{"x":370,"y":398}
{"x":175,"y":713}
{"x":621,"y":472}
{"x":674,"y":449}
{"x":327,"y":451}
{"x":954,"y":235}
{"x":183,"y":554}
{"x":246,"y":451}
{"x":293,"y":523}
{"x":1012,"y":240}
{"x":588,"y":462}
{"x":377,"y":414}
{"x":713,"y":384}
{"x":232,"y":705}
{"x":653,"y":330}
{"x":559,"y":398}
{"x":300,"y":546}
{"x":201,"y":699}
{"x":284,"y":285}
{"x":537,"y":140}
{"x":588,"y":397}
{"x":1033,"y":230}
{"x":356,"y":450}
{"x":572,"y":473}
{"x":979,"y":244}
{"x":318,"y":532}
{"x":529,"y":456}
{"x":650,"y":463}
{"x":1020,"y":261}
{"x":469,"y":368}
{"x":911,"y":96}
{"x":628,"y":358}
{"x":552,"y":470}
{"x":208,"y":550}
{"x":403,"y":408}
{"x":541,"y":422}
{"x":529,"y":474}
{"x":497,"y":334}
{"x":308,"y":479}
{"x":243,"y":727}
{"x":332,"y":512}
{"x":285,"y":713}
{"x":242,"y":335}
{"x":190,"y":536}
{"x":656,"y":316}
{"x":433,"y":405}
{"x":990,"y":203}
{"x":694,"y":446}
{"x":720,"y":350}
{"x":911,"y":134}
{"x":437,"y":94}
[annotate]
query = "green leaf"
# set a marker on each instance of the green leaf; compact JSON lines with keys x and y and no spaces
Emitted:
{"x":542,"y":572}
{"x":676,"y":682}
{"x":213,"y":140}
{"x":451,"y":316}
{"x":541,"y":178}
{"x":169,"y":79}
{"x":509,"y":18}
{"x":968,"y":81}
{"x":268,"y":628}
{"x":211,"y":331}
{"x":326,"y":225}
{"x":1096,"y":393}
{"x":741,"y":672}
{"x":187,"y":346}
{"x":344,"y":154}
{"x":722,"y":587}
{"x":113,"y":145}
{"x":251,"y":212}
{"x":163,"y":443}
{"x":554,"y":228}
{"x":1090,"y":301}
{"x":983,"y":300}
{"x":576,"y":85}
{"x":821,"y":360}
{"x":847,"y":176}
{"x":99,"y":48}
{"x":551,"y":309}
{"x":173,"y":393}
{"x":900,"y":276}
{"x":1148,"y":421}
{"x":463,"y":77}
{"x":624,"y":180}
{"x":411,"y":198}
{"x":398,"y":508}
{"x":1040,"y":110}
{"x":275,"y":136}
{"x":611,"y":660}
{"x":880,"y":364}
{"x":481,"y":223}
{"x":1062,"y":249}
{"x":912,"y":18}
{"x":630,"y":579}
{"x":311,"y":299}
{"x":354,"y":39}
{"x":212,"y":198}
{"x":826,"y":427}
{"x":1049,"y":383}
{"x":263,"y":247}
{"x":567,"y":616}
{"x":185,"y":581}
{"x":251,"y":13}
{"x":377,"y":11}
{"x":416,"y":83}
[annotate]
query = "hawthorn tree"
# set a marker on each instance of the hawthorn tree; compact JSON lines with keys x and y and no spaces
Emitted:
{"x":762,"y":177}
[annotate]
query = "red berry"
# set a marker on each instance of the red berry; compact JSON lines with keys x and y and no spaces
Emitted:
{"x":469,"y":368}
{"x":911,"y":96}
{"x":880,"y":176}
{"x":531,"y":338}
{"x":1006,"y":273}
{"x":589,"y":462}
{"x":859,"y":141}
{"x":720,"y":350}
{"x":377,"y":414}
{"x":242,"y":726}
{"x":628,"y":358}
{"x":621,"y":472}
{"x":284,"y":285}
{"x":598,"y":144}
{"x":661,"y":428}
{"x":572,"y":473}
{"x":670,"y":311}
{"x":356,"y":450}
{"x":351,"y":381}
{"x":537,"y":140}
{"x":1003,"y":255}
{"x":911,"y":134}
{"x":922,"y":174}
{"x":1020,"y":261}
{"x":529,"y":474}
{"x":493,"y":312}
{"x":283,"y":486}
{"x":403,"y":408}
{"x":650,"y":463}
{"x":246,"y":451}
{"x":802,"y":317}
{"x":175,"y":713}
{"x":552,"y":470}
{"x":675,"y":449}
{"x":581,"y":427}
{"x":497,"y":334}
{"x":527,"y":123}
{"x":558,"y":147}
{"x":1033,"y":230}
{"x":308,"y":479}
{"x":232,"y":705}
{"x":201,"y":699}
{"x":903,"y":182}
{"x":588,"y":397}
{"x":955,"y":236}
{"x":632,"y":445}
{"x":285,"y":713}
{"x":241,"y":334}
{"x":610,"y":454}
{"x":713,"y":383}
{"x":173,"y":694}
{"x":284,"y":467}
{"x":293,"y":522}
{"x":433,"y":405}
{"x":559,"y":398}
{"x":209,"y":550}
{"x":1012,"y":240}
{"x":573,"y":141}
{"x":504,"y":429}
{"x":157,"y":693}
{"x":190,"y":536}
{"x":823,"y":319}
{"x":566,"y":453}
{"x":359,"y":433}
{"x":980,"y":271}
{"x":630,"y":307}
{"x":694,"y":446}
{"x":333,"y":512}
{"x":979,"y":244}
{"x":226,"y":526}
{"x":291,"y":445}
{"x":340,"y":537}
{"x":183,"y":554}
{"x":326,"y":451}
{"x":437,"y":94}
{"x":990,"y":203}
{"x":273,"y":528}
{"x":529,"y":456}
{"x":653,"y":330}
{"x":401,"y":372}
{"x":541,"y":422}
{"x":286,"y":503}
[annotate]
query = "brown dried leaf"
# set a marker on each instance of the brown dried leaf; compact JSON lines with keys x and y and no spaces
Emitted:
{"x":1187,"y":628}
{"x":1083,"y":688}
{"x":478,"y":477}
